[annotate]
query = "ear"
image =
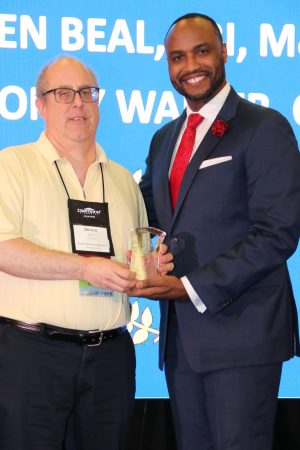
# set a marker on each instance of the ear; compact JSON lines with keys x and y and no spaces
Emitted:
{"x":224,"y":52}
{"x":41,"y":107}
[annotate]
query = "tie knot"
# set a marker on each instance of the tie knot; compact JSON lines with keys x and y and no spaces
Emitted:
{"x":194,"y":120}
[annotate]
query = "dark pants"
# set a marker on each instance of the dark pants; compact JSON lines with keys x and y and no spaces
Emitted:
{"x":43,"y":383}
{"x":230,"y":409}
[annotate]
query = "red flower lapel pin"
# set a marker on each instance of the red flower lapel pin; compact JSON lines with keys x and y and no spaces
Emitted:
{"x":219,"y":127}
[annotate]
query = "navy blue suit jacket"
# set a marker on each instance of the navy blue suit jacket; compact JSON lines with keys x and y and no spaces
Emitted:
{"x":235,"y":225}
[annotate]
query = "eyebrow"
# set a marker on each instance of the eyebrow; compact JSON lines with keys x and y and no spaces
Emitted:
{"x":196,"y":47}
{"x":64,"y":86}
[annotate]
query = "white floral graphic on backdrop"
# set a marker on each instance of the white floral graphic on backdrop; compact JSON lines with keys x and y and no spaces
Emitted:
{"x":140,"y":325}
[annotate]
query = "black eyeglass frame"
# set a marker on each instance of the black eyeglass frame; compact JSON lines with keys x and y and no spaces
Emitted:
{"x":75,"y":91}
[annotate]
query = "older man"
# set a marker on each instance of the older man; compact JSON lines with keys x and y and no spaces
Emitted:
{"x":66,"y":211}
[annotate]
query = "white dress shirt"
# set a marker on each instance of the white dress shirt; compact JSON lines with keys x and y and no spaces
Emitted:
{"x":209,"y":111}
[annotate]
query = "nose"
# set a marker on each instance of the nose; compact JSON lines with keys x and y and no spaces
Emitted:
{"x":77,"y":100}
{"x":191,"y":63}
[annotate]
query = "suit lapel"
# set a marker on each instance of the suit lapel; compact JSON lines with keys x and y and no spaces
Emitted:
{"x":164,"y":187}
{"x":206,"y":147}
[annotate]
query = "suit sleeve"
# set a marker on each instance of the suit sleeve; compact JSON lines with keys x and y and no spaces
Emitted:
{"x":272,"y":171}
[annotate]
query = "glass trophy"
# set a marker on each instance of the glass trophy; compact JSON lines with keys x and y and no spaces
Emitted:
{"x":145,"y":251}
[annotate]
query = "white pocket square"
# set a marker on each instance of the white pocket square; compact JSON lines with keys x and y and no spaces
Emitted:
{"x":213,"y":161}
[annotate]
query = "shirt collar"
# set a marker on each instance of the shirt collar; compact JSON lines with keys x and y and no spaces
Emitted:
{"x":47,"y":149}
{"x":212,"y":108}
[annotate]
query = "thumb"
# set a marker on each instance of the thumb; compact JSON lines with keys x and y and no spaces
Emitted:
{"x":142,"y":284}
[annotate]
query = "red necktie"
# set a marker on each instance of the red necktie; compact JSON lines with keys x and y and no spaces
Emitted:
{"x":183,"y":155}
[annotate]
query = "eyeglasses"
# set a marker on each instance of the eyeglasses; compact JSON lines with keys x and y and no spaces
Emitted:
{"x":67,"y":95}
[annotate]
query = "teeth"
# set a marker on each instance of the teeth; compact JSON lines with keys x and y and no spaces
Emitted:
{"x":195,"y":80}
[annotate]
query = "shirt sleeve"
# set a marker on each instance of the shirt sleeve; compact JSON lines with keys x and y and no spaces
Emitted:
{"x":11,"y":196}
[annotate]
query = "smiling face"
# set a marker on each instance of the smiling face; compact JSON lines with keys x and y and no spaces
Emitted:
{"x":196,"y":58}
{"x":73,"y":123}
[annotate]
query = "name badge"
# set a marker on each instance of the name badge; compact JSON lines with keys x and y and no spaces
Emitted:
{"x":90,"y":228}
{"x":89,"y":238}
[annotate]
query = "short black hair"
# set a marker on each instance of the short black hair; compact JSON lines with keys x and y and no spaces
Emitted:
{"x":200,"y":16}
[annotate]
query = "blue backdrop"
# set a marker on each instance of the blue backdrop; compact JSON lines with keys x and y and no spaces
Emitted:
{"x":122,"y":42}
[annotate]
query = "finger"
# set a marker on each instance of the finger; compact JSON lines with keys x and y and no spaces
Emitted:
{"x":125,"y":274}
{"x":121,"y":286}
{"x":137,"y":292}
{"x":142,"y":284}
{"x":166,"y":258}
{"x":149,"y":293}
{"x":128,"y":255}
{"x":163,"y":249}
{"x":155,"y":283}
{"x":120,"y":279}
{"x":165,"y":268}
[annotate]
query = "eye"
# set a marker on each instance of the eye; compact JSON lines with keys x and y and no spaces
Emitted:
{"x":63,"y":93}
{"x":86,"y":91}
{"x":202,"y":50}
{"x":177,"y":58}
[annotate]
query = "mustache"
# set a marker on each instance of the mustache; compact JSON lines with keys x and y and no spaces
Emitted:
{"x":198,"y":72}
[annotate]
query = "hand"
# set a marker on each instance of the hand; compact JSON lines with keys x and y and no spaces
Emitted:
{"x":106,"y":273}
{"x":165,"y":260}
{"x":164,"y":287}
{"x":165,"y":263}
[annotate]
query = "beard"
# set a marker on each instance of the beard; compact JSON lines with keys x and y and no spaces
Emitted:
{"x":217,"y":80}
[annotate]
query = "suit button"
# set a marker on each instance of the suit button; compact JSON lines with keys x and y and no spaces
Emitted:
{"x":228,"y":301}
{"x":176,"y":245}
{"x":173,"y":245}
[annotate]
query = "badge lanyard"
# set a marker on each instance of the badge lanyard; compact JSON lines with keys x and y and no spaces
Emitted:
{"x":89,"y":224}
